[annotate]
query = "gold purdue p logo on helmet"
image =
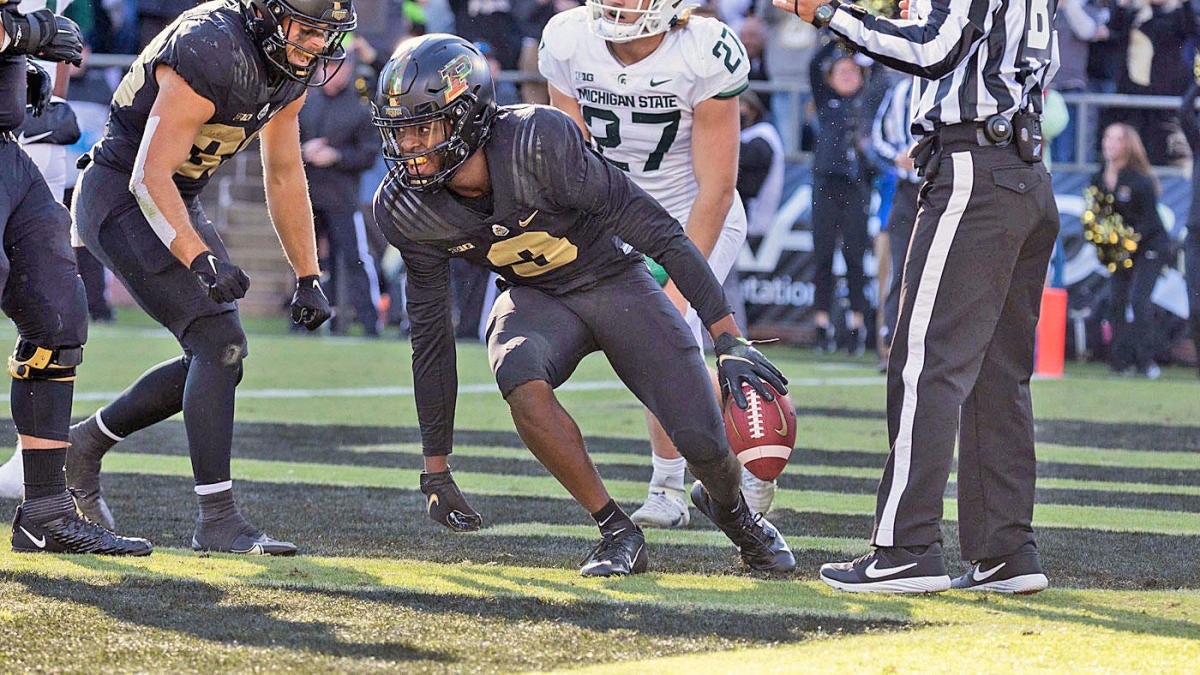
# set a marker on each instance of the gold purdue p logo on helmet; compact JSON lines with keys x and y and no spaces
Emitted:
{"x":455,"y":74}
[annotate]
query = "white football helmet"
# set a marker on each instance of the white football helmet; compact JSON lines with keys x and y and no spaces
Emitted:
{"x":625,"y":20}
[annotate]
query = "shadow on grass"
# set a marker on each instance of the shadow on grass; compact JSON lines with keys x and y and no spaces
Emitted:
{"x":209,"y":612}
{"x":1080,"y":609}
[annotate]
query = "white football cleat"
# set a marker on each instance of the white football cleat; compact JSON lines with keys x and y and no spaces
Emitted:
{"x":758,"y":493}
{"x":12,"y":476}
{"x":664,"y":507}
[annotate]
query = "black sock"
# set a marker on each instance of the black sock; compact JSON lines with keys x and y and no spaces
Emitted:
{"x":218,"y":506}
{"x":44,"y":472}
{"x":611,"y":519}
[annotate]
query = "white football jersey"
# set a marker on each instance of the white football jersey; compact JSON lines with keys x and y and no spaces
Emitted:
{"x":640,"y":115}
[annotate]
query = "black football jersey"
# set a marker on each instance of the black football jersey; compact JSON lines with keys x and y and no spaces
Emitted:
{"x":562,"y":219}
{"x":210,"y":48}
{"x":12,"y":91}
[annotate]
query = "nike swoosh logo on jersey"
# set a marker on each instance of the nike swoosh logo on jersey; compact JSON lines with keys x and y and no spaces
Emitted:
{"x":433,"y":501}
{"x":25,"y":140}
{"x":525,"y":222}
{"x":980,"y":575}
{"x":655,"y":83}
{"x":40,"y":543}
{"x":874,"y":572}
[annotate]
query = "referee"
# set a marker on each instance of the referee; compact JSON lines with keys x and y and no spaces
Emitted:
{"x":962,"y":354}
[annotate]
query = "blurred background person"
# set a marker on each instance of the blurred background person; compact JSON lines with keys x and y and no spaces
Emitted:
{"x":1079,"y":23}
{"x":891,"y":139}
{"x":1127,"y":178}
{"x":1191,"y":130}
{"x":338,"y":144}
{"x":841,"y":190}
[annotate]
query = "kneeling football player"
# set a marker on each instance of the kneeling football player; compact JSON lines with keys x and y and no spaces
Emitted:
{"x":515,"y":189}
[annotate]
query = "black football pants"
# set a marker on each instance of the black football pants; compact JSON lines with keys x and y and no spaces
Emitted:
{"x":963,"y":354}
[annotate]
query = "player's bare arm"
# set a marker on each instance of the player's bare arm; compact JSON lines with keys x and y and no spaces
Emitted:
{"x":570,"y":105}
{"x":171,"y":128}
{"x":287,"y":191}
{"x":715,"y":144}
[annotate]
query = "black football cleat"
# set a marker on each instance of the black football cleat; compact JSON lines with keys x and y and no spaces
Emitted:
{"x":445,"y":503}
{"x":891,"y":570}
{"x":617,"y":554}
{"x":1019,"y":573}
{"x":760,"y":545}
{"x":68,"y":533}
{"x":246,"y":540}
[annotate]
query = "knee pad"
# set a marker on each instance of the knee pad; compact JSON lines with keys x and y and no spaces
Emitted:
{"x":216,"y":339}
{"x":30,"y":361}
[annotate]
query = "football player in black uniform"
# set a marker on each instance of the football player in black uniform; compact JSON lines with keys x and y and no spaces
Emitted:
{"x":41,"y":292}
{"x":515,"y":189}
{"x":200,"y":92}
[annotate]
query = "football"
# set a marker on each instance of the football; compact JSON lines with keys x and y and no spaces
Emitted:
{"x":763,"y":435}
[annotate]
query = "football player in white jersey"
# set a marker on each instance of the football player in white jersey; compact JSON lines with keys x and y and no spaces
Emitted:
{"x":656,"y":92}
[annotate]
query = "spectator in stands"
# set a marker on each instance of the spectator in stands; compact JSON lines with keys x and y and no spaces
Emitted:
{"x":1079,"y":23}
{"x":506,"y":92}
{"x":338,"y":143}
{"x":490,"y":21}
{"x":1158,"y":32}
{"x":532,"y":16}
{"x":155,"y":15}
{"x":1126,"y":176}
{"x":759,"y":184}
{"x":841,"y":188}
{"x":1191,"y":130}
{"x":754,"y":39}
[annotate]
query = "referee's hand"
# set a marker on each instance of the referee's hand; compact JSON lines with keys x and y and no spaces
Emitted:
{"x":801,"y":8}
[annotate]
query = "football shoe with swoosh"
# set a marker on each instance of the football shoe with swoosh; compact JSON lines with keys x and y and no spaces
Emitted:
{"x":617,"y":554}
{"x":891,"y":570}
{"x":445,"y":503}
{"x":759,"y":544}
{"x":51,"y":525}
{"x":1019,"y":573}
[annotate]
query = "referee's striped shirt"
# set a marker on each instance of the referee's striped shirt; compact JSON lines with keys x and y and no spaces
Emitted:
{"x":891,"y":134}
{"x":972,"y":58}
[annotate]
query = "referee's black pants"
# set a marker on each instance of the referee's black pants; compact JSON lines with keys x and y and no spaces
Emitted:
{"x":963,"y":353}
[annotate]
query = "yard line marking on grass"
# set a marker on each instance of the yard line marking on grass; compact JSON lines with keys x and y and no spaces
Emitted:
{"x":1113,"y":519}
{"x":489,"y":388}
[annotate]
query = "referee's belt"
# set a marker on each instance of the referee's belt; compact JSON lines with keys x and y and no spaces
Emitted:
{"x":997,"y":130}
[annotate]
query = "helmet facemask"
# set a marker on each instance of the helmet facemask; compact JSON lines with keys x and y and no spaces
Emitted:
{"x":435,"y":143}
{"x":434,"y":108}
{"x":617,"y":23}
{"x":336,"y":21}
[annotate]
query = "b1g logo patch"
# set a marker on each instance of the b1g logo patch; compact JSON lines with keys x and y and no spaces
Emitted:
{"x":455,"y":75}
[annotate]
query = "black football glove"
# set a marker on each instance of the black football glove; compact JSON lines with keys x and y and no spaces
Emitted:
{"x":445,"y":503}
{"x":37,"y":88}
{"x":737,"y":362}
{"x":44,"y":35}
{"x":224,"y":281}
{"x":310,"y":307}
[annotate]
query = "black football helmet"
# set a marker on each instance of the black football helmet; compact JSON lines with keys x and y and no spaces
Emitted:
{"x":434,"y":84}
{"x":268,"y":22}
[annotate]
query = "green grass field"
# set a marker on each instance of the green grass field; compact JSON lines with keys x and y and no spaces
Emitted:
{"x":327,"y":454}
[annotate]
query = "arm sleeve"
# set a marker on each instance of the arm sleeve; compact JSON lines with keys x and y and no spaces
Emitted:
{"x":930,"y":47}
{"x":585,"y":182}
{"x":435,"y":370}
